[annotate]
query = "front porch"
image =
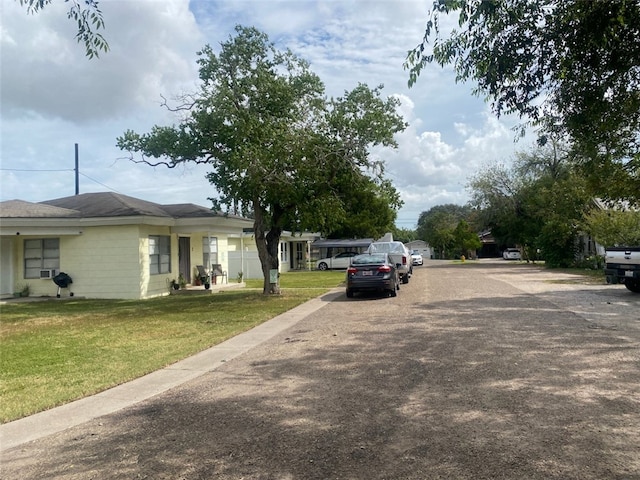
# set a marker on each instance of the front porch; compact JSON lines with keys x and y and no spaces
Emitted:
{"x":200,"y":290}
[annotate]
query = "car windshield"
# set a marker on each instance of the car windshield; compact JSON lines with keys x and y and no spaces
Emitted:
{"x":370,"y":259}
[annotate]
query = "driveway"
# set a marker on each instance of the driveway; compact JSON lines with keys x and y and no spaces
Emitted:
{"x":490,"y":371}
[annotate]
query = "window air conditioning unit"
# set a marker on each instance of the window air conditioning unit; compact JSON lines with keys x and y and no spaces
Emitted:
{"x":47,"y":273}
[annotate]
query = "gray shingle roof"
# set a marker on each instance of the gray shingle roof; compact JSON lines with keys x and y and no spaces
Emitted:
{"x":109,"y":204}
{"x":22,"y":209}
{"x":103,"y":204}
{"x":189,"y":210}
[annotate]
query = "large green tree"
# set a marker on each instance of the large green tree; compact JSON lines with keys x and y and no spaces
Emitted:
{"x":88,"y":18}
{"x":539,"y":203}
{"x":277,"y":147}
{"x":437,"y":226}
{"x":498,"y":195}
{"x":370,"y":210}
{"x":567,"y":66}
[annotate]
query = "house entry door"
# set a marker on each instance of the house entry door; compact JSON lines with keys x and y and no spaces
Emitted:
{"x":184,"y":257}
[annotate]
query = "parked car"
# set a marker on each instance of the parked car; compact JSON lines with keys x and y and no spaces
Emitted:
{"x":398,"y":253}
{"x":340,"y":261}
{"x":511,"y":254}
{"x":416,"y":258}
{"x":372,"y":272}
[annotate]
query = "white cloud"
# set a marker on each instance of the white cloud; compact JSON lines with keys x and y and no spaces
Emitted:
{"x":45,"y":71}
{"x":52,"y":96}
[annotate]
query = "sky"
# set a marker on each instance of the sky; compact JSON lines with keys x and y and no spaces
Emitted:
{"x":53,"y":97}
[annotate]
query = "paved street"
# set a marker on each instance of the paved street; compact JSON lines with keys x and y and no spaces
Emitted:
{"x":481,"y":370}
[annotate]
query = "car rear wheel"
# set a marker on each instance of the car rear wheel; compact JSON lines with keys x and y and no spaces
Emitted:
{"x":632,"y":285}
{"x":405,"y":278}
{"x":394,"y":291}
{"x":349,"y":293}
{"x":323,"y":266}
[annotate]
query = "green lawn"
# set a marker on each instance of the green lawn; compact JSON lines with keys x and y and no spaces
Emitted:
{"x":55,"y":351}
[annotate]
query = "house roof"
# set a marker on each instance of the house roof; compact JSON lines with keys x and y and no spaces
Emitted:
{"x":108,"y":204}
{"x":190,"y":210}
{"x":329,"y":243}
{"x":22,"y":209}
{"x":416,"y":244}
{"x":112,"y":208}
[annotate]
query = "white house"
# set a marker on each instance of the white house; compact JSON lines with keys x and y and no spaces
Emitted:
{"x":116,"y":246}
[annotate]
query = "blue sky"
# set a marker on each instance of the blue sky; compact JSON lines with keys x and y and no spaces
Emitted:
{"x":52,"y":96}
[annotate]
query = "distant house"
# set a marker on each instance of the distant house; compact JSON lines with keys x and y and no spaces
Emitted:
{"x":116,"y":246}
{"x":323,"y":248}
{"x":422,"y":247}
{"x":489,"y":246}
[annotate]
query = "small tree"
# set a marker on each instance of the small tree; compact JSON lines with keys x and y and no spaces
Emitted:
{"x":611,"y":227}
{"x":466,"y":240}
{"x":279,"y":151}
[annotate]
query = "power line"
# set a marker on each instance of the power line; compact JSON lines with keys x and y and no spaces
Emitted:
{"x":58,"y":170}
{"x":100,"y":183}
{"x":35,"y":170}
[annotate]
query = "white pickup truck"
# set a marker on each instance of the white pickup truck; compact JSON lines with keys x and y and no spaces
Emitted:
{"x":622,"y":265}
{"x":398,"y":253}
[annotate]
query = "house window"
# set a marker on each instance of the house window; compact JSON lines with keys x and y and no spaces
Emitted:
{"x":209,"y":251}
{"x":41,"y":254}
{"x":159,"y":254}
{"x":284,"y":257}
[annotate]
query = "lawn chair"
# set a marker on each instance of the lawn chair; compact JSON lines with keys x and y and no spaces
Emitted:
{"x":218,"y":272}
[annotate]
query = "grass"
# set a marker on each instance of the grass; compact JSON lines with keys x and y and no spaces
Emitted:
{"x":304,"y":279}
{"x":54,"y":352}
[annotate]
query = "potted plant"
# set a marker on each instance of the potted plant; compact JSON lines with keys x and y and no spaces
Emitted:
{"x":206,"y":281}
{"x":22,"y":290}
{"x":181,"y":281}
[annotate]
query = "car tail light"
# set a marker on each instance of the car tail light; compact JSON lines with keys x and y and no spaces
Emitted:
{"x":352,"y":271}
{"x":384,"y":268}
{"x":404,"y":260}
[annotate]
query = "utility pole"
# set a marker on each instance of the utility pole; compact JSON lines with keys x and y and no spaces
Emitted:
{"x":77,"y":173}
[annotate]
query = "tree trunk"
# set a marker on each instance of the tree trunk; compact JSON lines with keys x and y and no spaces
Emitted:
{"x":267,"y":244}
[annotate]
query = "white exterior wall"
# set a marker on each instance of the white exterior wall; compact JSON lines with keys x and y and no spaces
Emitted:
{"x":243,"y":257}
{"x":247,"y":261}
{"x":103,"y":262}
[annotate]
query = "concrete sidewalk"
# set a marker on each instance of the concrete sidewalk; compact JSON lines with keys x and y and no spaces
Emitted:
{"x":57,"y":419}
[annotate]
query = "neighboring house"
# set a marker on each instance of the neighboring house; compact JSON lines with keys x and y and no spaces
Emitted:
{"x":489,"y":247}
{"x":324,"y":248}
{"x":295,"y":251}
{"x":422,"y":247}
{"x":116,"y":246}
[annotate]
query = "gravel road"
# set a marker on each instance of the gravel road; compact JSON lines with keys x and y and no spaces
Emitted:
{"x":482,"y":370}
